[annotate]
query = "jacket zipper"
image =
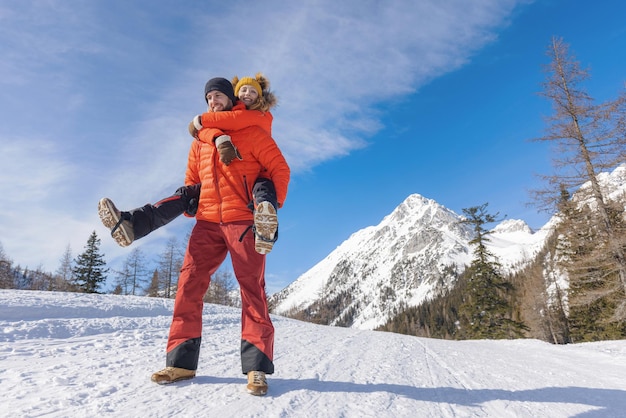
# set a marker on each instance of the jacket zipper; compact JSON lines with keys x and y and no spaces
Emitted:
{"x":245,"y":187}
{"x":217,"y":189}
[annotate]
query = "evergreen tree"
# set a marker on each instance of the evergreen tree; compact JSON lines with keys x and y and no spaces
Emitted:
{"x":435,"y":318}
{"x":89,"y":267}
{"x":486,"y":311}
{"x":596,"y":301}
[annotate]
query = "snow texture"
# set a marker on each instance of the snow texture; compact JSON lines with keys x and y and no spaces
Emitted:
{"x":78,"y":355}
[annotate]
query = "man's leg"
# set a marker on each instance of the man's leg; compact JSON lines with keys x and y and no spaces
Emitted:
{"x":257,"y":330}
{"x":205,"y":253}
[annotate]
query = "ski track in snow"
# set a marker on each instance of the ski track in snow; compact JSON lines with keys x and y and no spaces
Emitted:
{"x":69,"y":355}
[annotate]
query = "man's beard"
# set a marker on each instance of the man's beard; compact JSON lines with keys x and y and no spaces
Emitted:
{"x":227,"y":107}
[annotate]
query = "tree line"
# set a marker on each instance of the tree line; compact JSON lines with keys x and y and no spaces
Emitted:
{"x":88,"y":273}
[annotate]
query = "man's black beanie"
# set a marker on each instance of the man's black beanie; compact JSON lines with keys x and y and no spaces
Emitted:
{"x":222,"y":85}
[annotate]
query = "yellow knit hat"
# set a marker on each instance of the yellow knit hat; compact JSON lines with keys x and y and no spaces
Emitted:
{"x":251,"y":82}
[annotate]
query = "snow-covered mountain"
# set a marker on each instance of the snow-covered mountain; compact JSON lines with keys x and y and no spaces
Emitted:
{"x":405,"y":259}
{"x":411,"y":256}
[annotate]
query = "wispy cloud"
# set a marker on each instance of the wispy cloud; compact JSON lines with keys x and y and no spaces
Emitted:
{"x":331,"y":62}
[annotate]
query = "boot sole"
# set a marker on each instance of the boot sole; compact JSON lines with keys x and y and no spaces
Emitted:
{"x":108,"y":216}
{"x":167,"y":382}
{"x":266,"y":225}
{"x":257,"y":392}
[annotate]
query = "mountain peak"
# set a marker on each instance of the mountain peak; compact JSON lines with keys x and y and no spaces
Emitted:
{"x":512,"y":225}
{"x":400,"y":261}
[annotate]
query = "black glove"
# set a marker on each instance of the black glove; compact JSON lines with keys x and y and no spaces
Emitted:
{"x":192,"y":209}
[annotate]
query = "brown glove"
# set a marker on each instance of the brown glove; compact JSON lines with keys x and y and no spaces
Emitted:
{"x":228,"y":151}
{"x":192,"y":130}
{"x":194,"y":126}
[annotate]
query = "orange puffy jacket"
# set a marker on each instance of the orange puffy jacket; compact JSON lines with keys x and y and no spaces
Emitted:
{"x":227,"y":190}
{"x":238,"y":118}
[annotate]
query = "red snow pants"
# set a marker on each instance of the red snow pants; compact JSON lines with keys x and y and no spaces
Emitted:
{"x":208,"y":246}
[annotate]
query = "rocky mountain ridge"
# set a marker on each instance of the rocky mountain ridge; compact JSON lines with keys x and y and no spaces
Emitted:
{"x":410,"y":256}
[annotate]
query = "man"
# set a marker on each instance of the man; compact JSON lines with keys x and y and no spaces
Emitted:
{"x":224,"y":224}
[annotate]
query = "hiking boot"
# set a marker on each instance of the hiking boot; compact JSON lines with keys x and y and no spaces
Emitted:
{"x":265,"y":227}
{"x":257,"y":385}
{"x":118,"y":222}
{"x":172,"y":374}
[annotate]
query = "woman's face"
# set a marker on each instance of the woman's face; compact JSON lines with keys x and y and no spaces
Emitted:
{"x":248,"y":94}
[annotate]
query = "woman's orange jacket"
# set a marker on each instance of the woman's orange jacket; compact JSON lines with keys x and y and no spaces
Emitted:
{"x":238,"y":118}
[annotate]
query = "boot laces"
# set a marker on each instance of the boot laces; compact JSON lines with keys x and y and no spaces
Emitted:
{"x":258,"y":378}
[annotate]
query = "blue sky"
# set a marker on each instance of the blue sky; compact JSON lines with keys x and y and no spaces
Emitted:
{"x":378,"y":100}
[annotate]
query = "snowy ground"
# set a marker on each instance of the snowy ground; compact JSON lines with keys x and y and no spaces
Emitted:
{"x":74,"y":355}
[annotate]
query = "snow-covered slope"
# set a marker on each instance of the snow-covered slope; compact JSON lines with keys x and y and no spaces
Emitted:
{"x":76,"y":355}
{"x":403,"y":260}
